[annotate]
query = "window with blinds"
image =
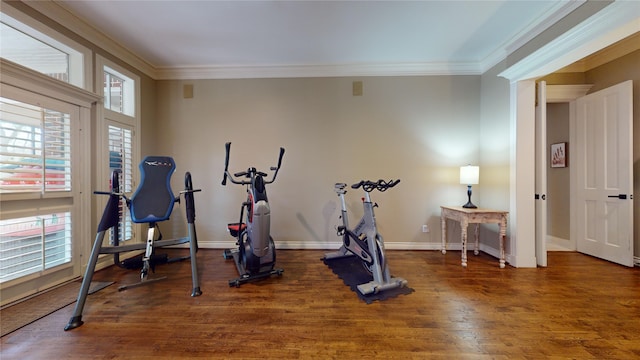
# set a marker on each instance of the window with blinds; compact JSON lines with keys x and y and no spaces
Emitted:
{"x":120,"y":159}
{"x":35,"y":157}
{"x":34,"y":244}
{"x":35,"y":148}
{"x":44,"y":177}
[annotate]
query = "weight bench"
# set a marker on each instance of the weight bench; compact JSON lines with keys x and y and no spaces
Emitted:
{"x":151,"y":203}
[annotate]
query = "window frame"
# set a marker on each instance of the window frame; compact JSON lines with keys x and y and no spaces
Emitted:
{"x":27,"y":85}
{"x":17,"y":19}
{"x":106,"y":118}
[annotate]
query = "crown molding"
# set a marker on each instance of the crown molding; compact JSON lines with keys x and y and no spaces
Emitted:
{"x":549,"y":18}
{"x":293,"y":71}
{"x":617,"y":50}
{"x":611,"y":24}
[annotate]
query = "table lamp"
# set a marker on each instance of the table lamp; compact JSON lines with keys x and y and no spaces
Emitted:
{"x":469,"y":175}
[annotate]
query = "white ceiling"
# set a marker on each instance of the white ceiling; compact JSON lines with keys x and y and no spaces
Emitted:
{"x":389,"y":37}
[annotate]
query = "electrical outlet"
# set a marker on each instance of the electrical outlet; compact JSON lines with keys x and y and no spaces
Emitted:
{"x":425,"y":228}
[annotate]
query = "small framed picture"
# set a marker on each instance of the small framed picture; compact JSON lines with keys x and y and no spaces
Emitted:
{"x":559,"y":155}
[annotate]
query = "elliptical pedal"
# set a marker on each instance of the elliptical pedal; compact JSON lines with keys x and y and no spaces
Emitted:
{"x":246,"y":276}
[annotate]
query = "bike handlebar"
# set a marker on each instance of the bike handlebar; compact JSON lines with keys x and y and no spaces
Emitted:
{"x":380,"y":185}
{"x":250,"y":171}
{"x":339,"y":188}
{"x":279,"y":160}
{"x":226,"y":163}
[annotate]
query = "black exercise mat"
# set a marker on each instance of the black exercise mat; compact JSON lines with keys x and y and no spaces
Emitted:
{"x":352,"y":273}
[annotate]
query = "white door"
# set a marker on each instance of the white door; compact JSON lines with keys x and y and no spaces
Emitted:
{"x":604,"y":181}
{"x":541,"y":175}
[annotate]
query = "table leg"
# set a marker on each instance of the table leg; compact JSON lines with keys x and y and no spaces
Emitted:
{"x":464,"y":224}
{"x":477,"y":249}
{"x":503,"y":235}
{"x":443,"y":225}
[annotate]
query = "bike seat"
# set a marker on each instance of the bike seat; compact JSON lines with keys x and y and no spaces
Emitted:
{"x":236,"y":228}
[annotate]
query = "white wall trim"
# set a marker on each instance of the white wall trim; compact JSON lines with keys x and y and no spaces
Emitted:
{"x":566,"y":93}
{"x":25,"y":78}
{"x":552,"y":16}
{"x":300,"y":71}
{"x":522,"y":188}
{"x":334,"y":245}
{"x":555,"y":243}
{"x":611,"y":24}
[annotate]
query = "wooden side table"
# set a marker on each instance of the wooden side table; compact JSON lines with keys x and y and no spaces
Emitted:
{"x":473,"y":216}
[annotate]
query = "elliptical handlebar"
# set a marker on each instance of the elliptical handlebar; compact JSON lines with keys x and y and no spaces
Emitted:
{"x":250,"y":172}
{"x":275,"y":169}
{"x":226,"y":163}
{"x":380,"y":185}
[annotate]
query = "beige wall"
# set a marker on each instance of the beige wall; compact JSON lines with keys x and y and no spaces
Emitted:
{"x":558,"y":180}
{"x":149,"y":117}
{"x":417,"y":129}
{"x":495,"y":153}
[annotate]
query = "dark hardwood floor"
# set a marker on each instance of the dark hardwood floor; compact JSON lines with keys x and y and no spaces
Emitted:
{"x":577,"y":308}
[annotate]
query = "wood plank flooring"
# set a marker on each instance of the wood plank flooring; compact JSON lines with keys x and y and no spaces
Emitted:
{"x":577,"y":308}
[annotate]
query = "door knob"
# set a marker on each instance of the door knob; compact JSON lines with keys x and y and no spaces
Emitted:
{"x":619,"y":196}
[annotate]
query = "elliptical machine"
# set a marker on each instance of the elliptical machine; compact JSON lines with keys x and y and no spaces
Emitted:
{"x":255,"y":256}
{"x":364,"y":241}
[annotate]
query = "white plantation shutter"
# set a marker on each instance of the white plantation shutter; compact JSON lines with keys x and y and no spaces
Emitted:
{"x":33,"y":244}
{"x":120,"y":158}
{"x":35,"y":158}
{"x":35,"y":148}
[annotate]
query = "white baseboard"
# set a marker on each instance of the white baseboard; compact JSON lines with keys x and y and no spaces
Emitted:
{"x":302,"y":245}
{"x":556,"y":247}
{"x":558,"y":244}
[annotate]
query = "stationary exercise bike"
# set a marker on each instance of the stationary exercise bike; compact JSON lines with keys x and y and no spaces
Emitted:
{"x":364,"y":241}
{"x":255,"y":256}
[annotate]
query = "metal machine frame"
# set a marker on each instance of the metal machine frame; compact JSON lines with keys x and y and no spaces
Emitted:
{"x":364,"y":241}
{"x":151,"y":203}
{"x":255,"y":256}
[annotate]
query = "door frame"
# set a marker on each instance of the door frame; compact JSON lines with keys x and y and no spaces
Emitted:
{"x":541,"y":174}
{"x":568,"y":94}
{"x":611,"y":24}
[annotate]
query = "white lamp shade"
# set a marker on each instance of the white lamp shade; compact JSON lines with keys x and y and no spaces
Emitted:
{"x":469,"y":175}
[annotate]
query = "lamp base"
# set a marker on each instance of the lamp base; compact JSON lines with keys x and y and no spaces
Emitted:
{"x":469,"y":205}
